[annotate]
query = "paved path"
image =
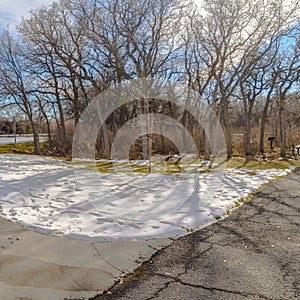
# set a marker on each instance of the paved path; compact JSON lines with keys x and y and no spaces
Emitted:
{"x":253,"y":254}
{"x":34,"y":266}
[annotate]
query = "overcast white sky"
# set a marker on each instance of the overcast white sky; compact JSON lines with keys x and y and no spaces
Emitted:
{"x":11,"y":11}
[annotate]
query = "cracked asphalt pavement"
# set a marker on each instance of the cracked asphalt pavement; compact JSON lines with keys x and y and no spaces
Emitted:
{"x":253,"y":254}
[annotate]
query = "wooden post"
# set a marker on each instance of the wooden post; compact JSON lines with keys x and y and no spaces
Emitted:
{"x":15,"y":129}
{"x":271,"y":139}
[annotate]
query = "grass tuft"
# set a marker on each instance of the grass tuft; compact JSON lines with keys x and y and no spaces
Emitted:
{"x":22,"y":148}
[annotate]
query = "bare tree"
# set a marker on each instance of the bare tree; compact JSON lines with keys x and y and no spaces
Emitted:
{"x":228,"y":34}
{"x":16,"y":83}
{"x":227,"y":50}
{"x":59,"y":43}
{"x":282,"y":77}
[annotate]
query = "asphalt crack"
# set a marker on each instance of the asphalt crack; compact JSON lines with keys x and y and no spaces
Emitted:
{"x":211,"y":289}
{"x":160,"y":290}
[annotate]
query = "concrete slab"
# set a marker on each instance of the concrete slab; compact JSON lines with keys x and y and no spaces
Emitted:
{"x":37,"y":266}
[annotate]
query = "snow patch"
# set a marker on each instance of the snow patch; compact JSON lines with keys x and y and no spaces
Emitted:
{"x":60,"y":198}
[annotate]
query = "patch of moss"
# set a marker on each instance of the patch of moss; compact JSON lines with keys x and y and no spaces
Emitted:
{"x":248,"y":198}
{"x":184,"y":167}
{"x":252,"y":173}
{"x":239,"y":162}
{"x":228,"y":212}
{"x":237,"y":204}
{"x":190,"y":230}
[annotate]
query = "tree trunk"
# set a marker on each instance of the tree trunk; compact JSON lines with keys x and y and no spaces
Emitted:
{"x":144,"y":139}
{"x":247,"y":138}
{"x":263,"y":127}
{"x":226,"y":127}
{"x":50,"y":143}
{"x":62,"y":125}
{"x":36,"y":139}
{"x":282,"y":127}
{"x":206,"y":148}
{"x":248,"y":107}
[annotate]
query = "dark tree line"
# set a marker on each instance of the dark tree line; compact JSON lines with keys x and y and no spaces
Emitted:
{"x":241,"y":56}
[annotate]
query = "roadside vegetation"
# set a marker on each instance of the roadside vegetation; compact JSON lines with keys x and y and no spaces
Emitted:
{"x":22,"y":148}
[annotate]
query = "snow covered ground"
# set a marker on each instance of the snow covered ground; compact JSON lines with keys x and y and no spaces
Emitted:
{"x":19,"y":139}
{"x":71,"y":200}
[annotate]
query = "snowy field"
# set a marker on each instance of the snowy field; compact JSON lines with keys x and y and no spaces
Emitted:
{"x":71,"y":200}
{"x":19,"y":139}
